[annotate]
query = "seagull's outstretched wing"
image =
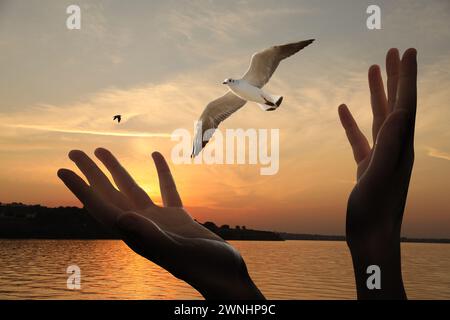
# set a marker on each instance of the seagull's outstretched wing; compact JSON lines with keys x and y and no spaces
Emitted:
{"x":215,"y":112}
{"x":264,"y":63}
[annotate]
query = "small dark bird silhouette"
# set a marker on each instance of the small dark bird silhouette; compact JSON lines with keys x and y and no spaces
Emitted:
{"x":118,"y":117}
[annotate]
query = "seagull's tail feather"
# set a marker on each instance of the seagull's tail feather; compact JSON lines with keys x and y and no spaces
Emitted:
{"x":266,"y":107}
{"x":272,"y":102}
{"x":277,"y":100}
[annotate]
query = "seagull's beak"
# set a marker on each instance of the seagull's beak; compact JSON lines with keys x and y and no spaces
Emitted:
{"x":224,"y":82}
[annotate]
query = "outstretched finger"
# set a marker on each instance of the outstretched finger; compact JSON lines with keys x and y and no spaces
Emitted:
{"x":169,"y":192}
{"x":102,"y":211}
{"x":393,"y":73}
{"x":358,"y":141}
{"x":407,"y":87}
{"x":98,"y":180}
{"x":123,"y":179}
{"x":378,"y":100}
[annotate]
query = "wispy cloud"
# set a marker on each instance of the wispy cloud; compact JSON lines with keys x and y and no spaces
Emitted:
{"x":91,"y":132}
{"x":223,"y":23}
{"x":434,"y":153}
{"x":195,"y":26}
{"x":144,"y":109}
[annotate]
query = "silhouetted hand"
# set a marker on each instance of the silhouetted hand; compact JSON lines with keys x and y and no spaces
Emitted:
{"x":376,"y":204}
{"x":167,"y":235}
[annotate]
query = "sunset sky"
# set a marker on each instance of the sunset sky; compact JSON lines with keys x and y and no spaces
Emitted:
{"x":158,"y":63}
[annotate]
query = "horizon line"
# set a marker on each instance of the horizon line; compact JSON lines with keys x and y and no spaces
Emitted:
{"x":342,"y":237}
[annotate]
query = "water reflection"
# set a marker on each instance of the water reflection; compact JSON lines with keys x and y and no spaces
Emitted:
{"x":36,"y":269}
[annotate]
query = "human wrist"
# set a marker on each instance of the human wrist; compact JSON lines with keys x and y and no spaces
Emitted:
{"x":235,"y":287}
{"x":387,"y":260}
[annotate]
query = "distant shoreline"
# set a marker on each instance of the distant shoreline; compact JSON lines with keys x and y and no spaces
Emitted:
{"x":424,"y":241}
{"x":27,"y":222}
{"x":313,"y":237}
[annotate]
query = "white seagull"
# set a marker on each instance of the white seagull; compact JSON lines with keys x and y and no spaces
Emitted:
{"x":249,"y":88}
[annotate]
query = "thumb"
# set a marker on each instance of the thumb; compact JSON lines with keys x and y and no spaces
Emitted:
{"x":144,"y":236}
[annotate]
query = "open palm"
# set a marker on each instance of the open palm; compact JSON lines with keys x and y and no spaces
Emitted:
{"x":376,"y":204}
{"x":378,"y":199}
{"x":167,"y":235}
